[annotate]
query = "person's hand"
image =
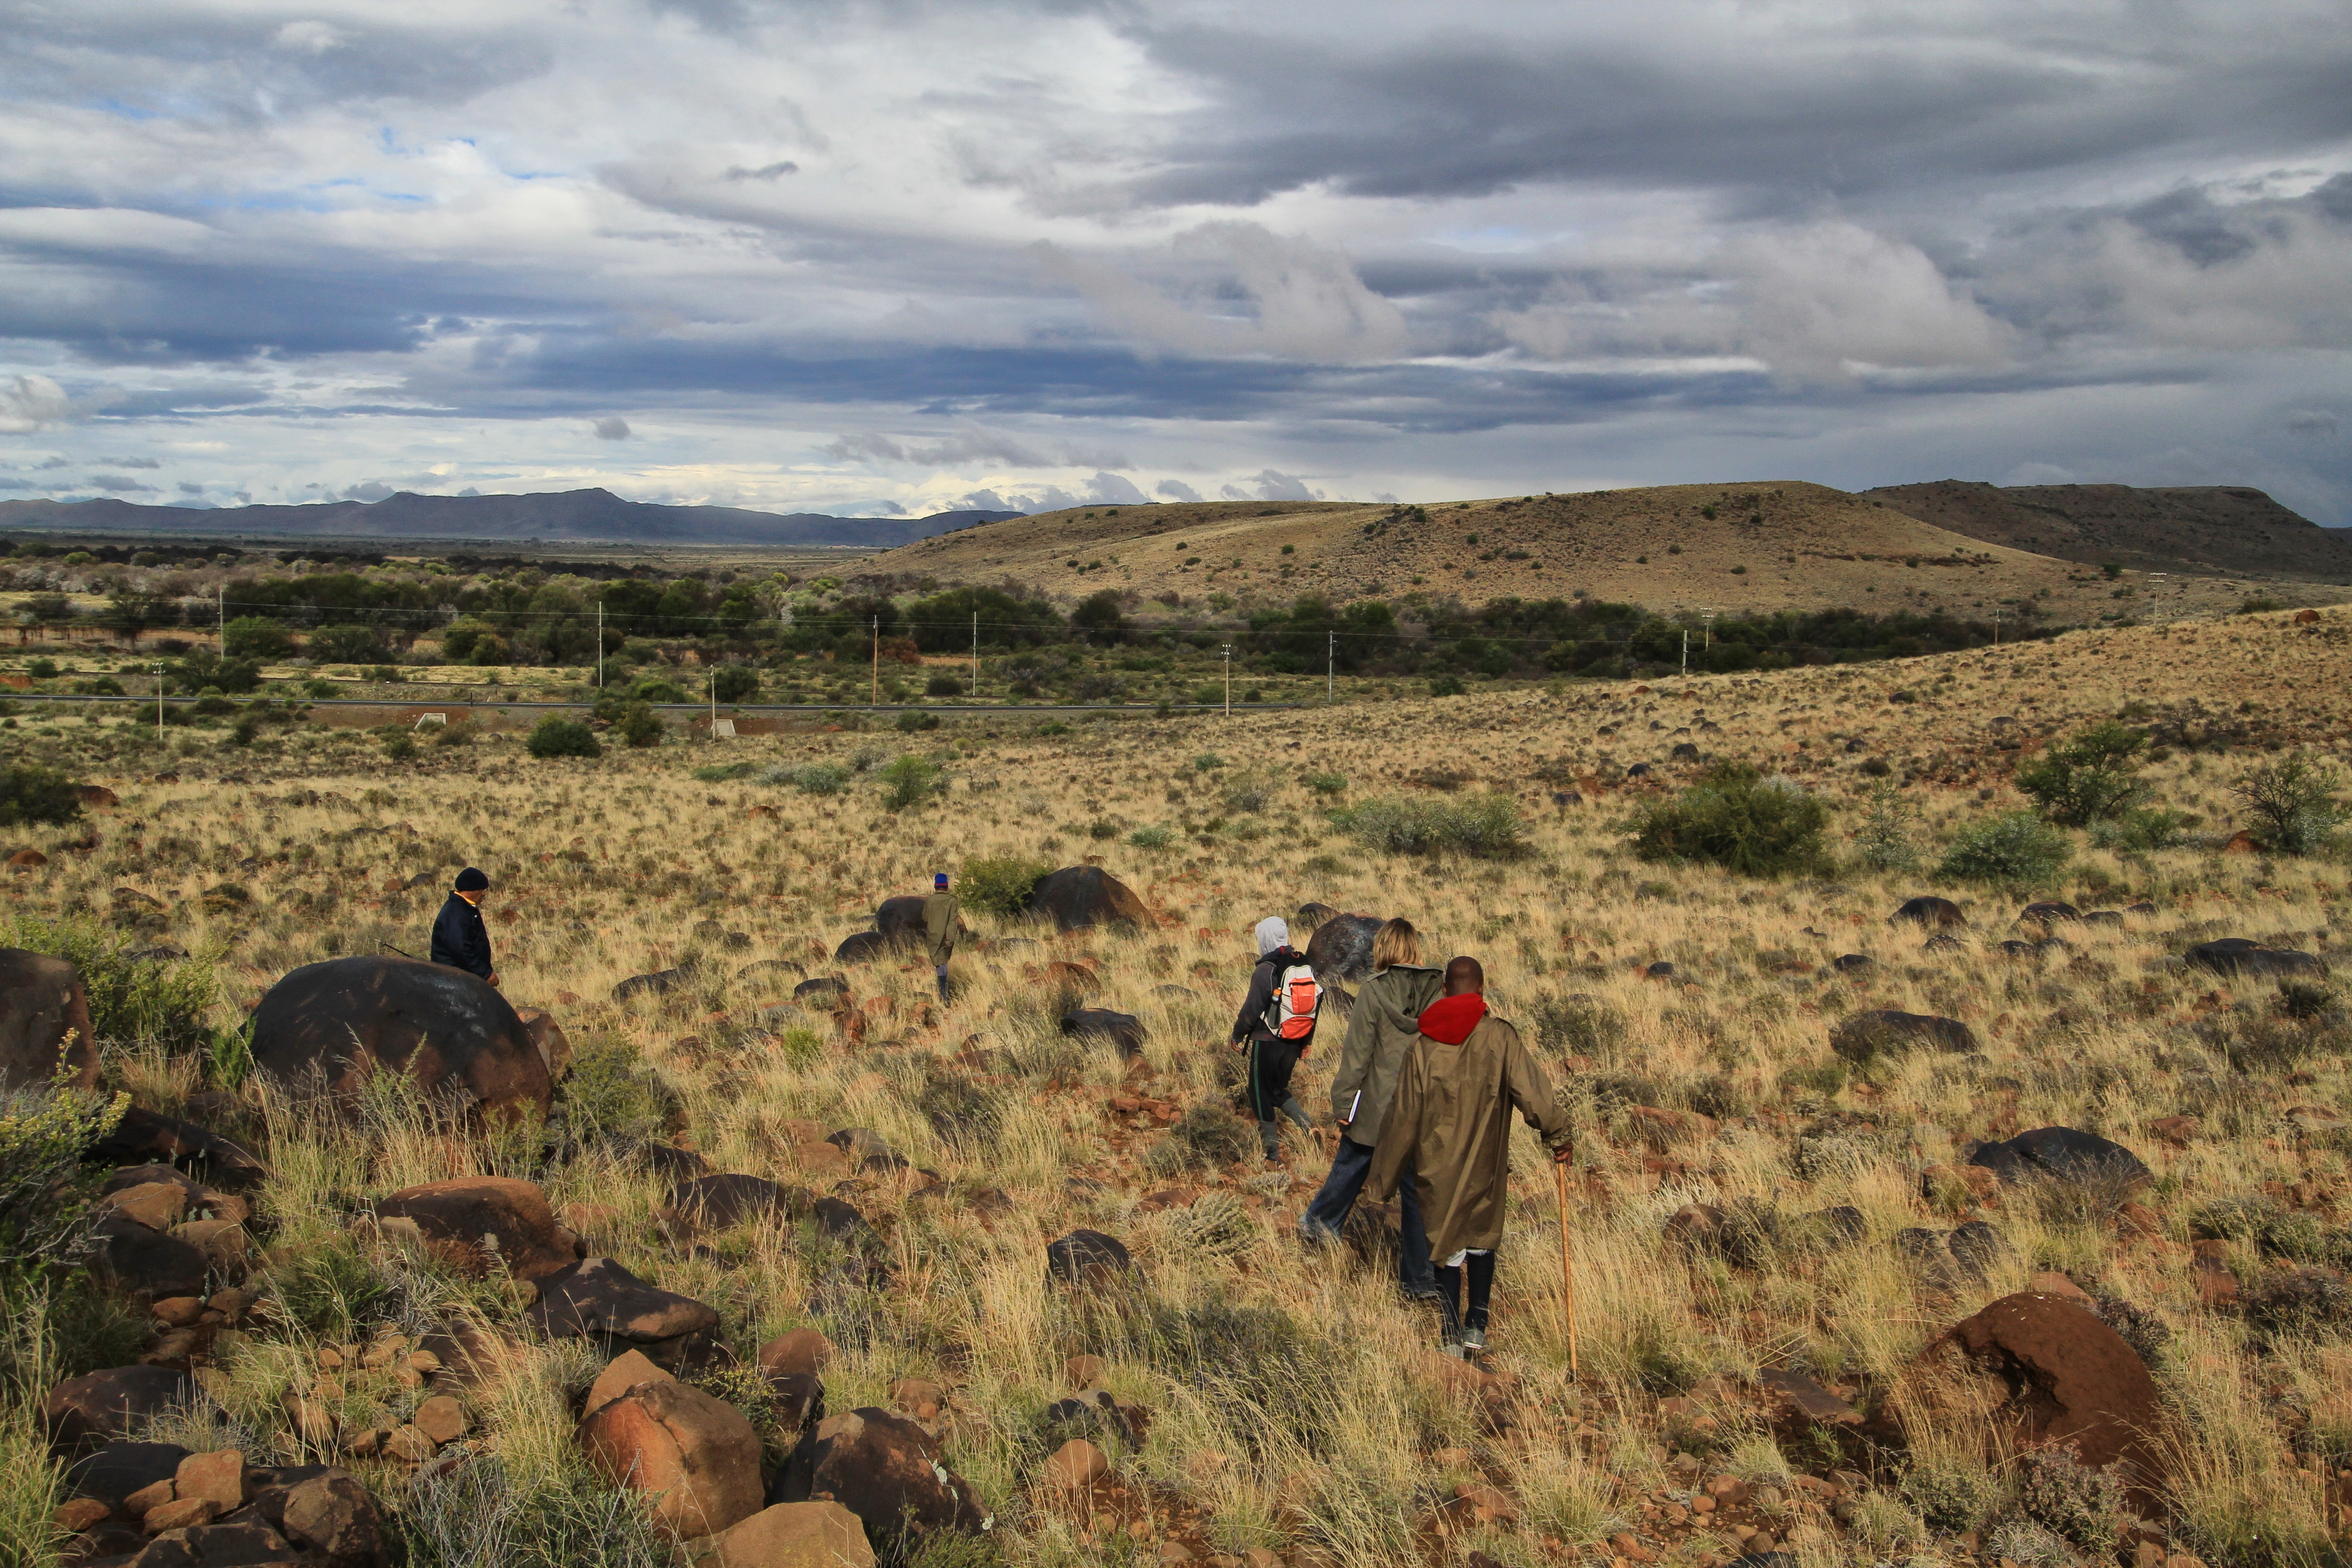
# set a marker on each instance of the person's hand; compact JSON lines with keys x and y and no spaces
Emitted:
{"x":493,"y":978}
{"x":1563,"y":1154}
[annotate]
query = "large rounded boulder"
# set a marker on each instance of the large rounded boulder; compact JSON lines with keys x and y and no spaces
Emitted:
{"x":2236,"y":958}
{"x":1341,"y":947}
{"x":1079,"y":895}
{"x":2064,"y":1154}
{"x":44,"y":1016}
{"x":1883,"y":1031}
{"x":900,"y":920}
{"x":329,"y":1027}
{"x":1937,"y":914}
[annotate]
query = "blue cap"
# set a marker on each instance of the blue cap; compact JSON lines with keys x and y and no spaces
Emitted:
{"x":939,"y":880}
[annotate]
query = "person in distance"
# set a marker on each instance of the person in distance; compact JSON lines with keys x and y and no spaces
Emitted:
{"x":941,"y":913}
{"x":1276,"y":1026}
{"x":460,"y":939}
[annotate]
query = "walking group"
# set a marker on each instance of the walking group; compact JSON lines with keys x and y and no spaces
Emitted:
{"x":1423,"y":1100}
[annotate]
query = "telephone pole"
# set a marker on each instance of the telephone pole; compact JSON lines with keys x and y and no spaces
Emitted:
{"x":600,"y":645}
{"x":220,"y":608}
{"x":1331,"y":667}
{"x":874,"y":683}
{"x":1996,"y":626}
{"x":1686,"y":650}
{"x":975,"y":655}
{"x":159,"y":702}
{"x":1229,"y":681}
{"x":714,"y":704}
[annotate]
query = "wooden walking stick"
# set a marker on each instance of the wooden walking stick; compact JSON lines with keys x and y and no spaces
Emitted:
{"x":1566,"y":1275}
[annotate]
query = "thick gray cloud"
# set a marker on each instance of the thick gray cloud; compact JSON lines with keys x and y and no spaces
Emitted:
{"x":842,"y":258}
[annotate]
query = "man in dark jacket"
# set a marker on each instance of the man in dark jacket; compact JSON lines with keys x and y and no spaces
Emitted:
{"x":1276,"y":1026}
{"x":939,"y":921}
{"x":459,"y":938}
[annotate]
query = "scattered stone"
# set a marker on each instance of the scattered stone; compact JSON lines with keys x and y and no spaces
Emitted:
{"x":1075,"y":1465}
{"x":890,"y":1473}
{"x":1937,"y":912}
{"x":1124,"y":1031}
{"x":659,"y":983}
{"x":794,"y":1535}
{"x":1087,"y":1258}
{"x":597,"y":1300}
{"x":328,"y":1027}
{"x":442,"y":1418}
{"x":722,"y":1201}
{"x":820,"y":986}
{"x":332,"y":1514}
{"x":44,"y":1019}
{"x":1080,"y":896}
{"x":218,"y":1476}
{"x":1943,"y":941}
{"x":862,"y":947}
{"x":1852,"y":962}
{"x":180,"y":1514}
{"x":1341,"y":948}
{"x":695,"y":1456}
{"x":2048,"y":912}
{"x":145,"y":1138}
{"x":2236,"y":958}
{"x":547,"y":1035}
{"x":477,"y":1223}
{"x":1865,"y":1036}
{"x":1661,"y":970}
{"x":2177,"y":1131}
{"x":123,"y":1469}
{"x":139,"y":1260}
{"x":2063,"y":1152}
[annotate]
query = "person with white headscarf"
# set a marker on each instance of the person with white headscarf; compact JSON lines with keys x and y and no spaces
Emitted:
{"x":1275,"y":1026}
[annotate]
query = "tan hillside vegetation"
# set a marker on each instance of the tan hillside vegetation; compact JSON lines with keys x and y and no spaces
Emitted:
{"x":2212,"y":531}
{"x":1773,"y":545}
{"x":1752,"y":1375}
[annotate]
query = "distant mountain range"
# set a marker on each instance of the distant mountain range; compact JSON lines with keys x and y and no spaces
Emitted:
{"x":589,"y":516}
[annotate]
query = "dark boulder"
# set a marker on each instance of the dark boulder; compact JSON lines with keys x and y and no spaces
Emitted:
{"x":1123,"y":1030}
{"x":1341,"y":947}
{"x":142,"y":1261}
{"x":660,"y":983}
{"x":861,"y":947}
{"x":598,"y":1300}
{"x":145,"y":1137}
{"x":2103,"y":918}
{"x":1079,"y":895}
{"x":2235,"y":958}
{"x":122,"y":1468}
{"x":817,"y":988}
{"x":668,"y":1160}
{"x":723,"y":1200}
{"x":1663,"y":969}
{"x":1943,"y":941}
{"x":889,"y":1472}
{"x":900,"y":920}
{"x":1311,"y":915}
{"x":1834,"y":1230}
{"x":2014,"y":949}
{"x":478,"y":1224}
{"x":1854,"y":963}
{"x":1684,"y":753}
{"x":99,"y":1406}
{"x":44,"y":1018}
{"x":328,"y":1027}
{"x":1087,"y":1258}
{"x":2048,"y":912}
{"x":1976,"y":1247}
{"x":1861,"y":1036}
{"x":1937,"y":913}
{"x":2061,"y":1153}
{"x":761,"y":969}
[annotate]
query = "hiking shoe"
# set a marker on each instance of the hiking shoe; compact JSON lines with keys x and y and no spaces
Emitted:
{"x":1455,"y":1349}
{"x":1474,"y":1339}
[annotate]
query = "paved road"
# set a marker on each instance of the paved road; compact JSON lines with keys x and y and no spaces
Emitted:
{"x":728,"y":710}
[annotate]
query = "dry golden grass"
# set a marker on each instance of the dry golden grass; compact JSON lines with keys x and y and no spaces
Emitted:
{"x":1338,"y":1439}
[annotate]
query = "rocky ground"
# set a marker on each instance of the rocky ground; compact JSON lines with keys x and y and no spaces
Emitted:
{"x":1997,"y":1234}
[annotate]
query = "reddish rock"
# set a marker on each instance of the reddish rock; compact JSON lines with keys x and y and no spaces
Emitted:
{"x":219,"y":1476}
{"x":2048,"y":1372}
{"x":695,"y":1456}
{"x":44,"y":1019}
{"x":1075,"y":1465}
{"x":794,"y":1535}
{"x":2177,"y":1131}
{"x":547,"y":1035}
{"x":473,"y":1222}
{"x":803,"y":1350}
{"x":2216,"y":1282}
{"x":89,"y":1410}
{"x":889,"y":1472}
{"x":333,"y":1515}
{"x":598,"y":1299}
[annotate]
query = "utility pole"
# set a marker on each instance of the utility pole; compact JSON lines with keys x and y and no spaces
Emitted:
{"x":600,"y":645}
{"x":1229,"y":681}
{"x":220,"y":605}
{"x":1331,"y":667}
{"x":1706,"y":629}
{"x":159,"y":702}
{"x":874,"y":682}
{"x":975,"y":656}
{"x":714,"y":703}
{"x":1686,"y":650}
{"x":1996,"y":626}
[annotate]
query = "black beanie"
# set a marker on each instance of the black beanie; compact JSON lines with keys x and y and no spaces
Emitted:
{"x":470,"y":880}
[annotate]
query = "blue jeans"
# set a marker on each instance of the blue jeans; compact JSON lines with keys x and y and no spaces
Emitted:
{"x":1326,"y":1214}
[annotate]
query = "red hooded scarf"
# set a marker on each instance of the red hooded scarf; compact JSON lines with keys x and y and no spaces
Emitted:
{"x":1450,"y":1019}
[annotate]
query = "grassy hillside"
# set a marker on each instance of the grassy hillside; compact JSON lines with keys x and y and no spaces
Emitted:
{"x":1746,"y":548}
{"x":2214,"y":531}
{"x":1294,"y":1409}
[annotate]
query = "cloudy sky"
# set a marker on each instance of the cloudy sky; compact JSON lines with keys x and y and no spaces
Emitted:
{"x":901,"y":256}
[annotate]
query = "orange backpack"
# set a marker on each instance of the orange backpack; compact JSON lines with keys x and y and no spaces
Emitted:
{"x":1296,"y":999}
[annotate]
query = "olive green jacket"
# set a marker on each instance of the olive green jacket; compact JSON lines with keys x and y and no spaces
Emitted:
{"x":939,"y":921}
{"x":1381,"y":1027}
{"x":1451,"y":1122}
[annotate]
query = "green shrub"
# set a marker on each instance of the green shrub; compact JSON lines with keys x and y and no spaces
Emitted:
{"x":2016,"y":846}
{"x":347,"y":645}
{"x":907,"y":780}
{"x":1445,"y":686}
{"x":734,"y":683}
{"x":131,"y":1003}
{"x":1736,"y":818}
{"x":913,"y":720}
{"x":2089,"y":777}
{"x":31,"y":793}
{"x":2069,"y":1499}
{"x":639,"y":725}
{"x":820,"y":778}
{"x":998,"y":885}
{"x":2140,"y":828}
{"x":1326,"y":784}
{"x":1949,"y":1497}
{"x":943,"y":686}
{"x":255,"y":637}
{"x":1151,"y":837}
{"x":557,"y":736}
{"x":400,"y":745}
{"x":1483,"y":827}
{"x":44,"y":1194}
{"x":610,"y":1094}
{"x":2293,"y":801}
{"x":724,"y":773}
{"x":1884,"y":841}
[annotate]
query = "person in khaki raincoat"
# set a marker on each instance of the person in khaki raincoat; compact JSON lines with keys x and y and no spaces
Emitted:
{"x":941,"y":917}
{"x":1450,"y":1125}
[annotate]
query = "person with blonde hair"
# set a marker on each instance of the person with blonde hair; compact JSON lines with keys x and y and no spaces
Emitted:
{"x":1381,"y":1028}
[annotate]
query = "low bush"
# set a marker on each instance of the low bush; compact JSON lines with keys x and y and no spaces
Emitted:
{"x":1884,"y":841}
{"x":998,"y":885}
{"x":2088,"y":777}
{"x":2139,"y":829}
{"x":1151,"y":837}
{"x":820,"y":778}
{"x":2016,"y":846}
{"x":556,"y":736}
{"x":131,"y":1002}
{"x":1485,"y":827}
{"x":734,"y":683}
{"x":1736,"y":818}
{"x":1326,"y":784}
{"x":724,"y":773}
{"x":2293,"y":801}
{"x":31,"y":793}
{"x":907,"y":780}
{"x":639,"y":725}
{"x":913,"y":720}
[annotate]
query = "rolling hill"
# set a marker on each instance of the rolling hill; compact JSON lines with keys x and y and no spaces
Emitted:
{"x":2226,"y":531}
{"x":589,"y":515}
{"x":1744,"y":548}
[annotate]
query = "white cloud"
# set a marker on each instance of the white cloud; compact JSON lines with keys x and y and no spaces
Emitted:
{"x":30,"y":402}
{"x":1176,"y":490}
